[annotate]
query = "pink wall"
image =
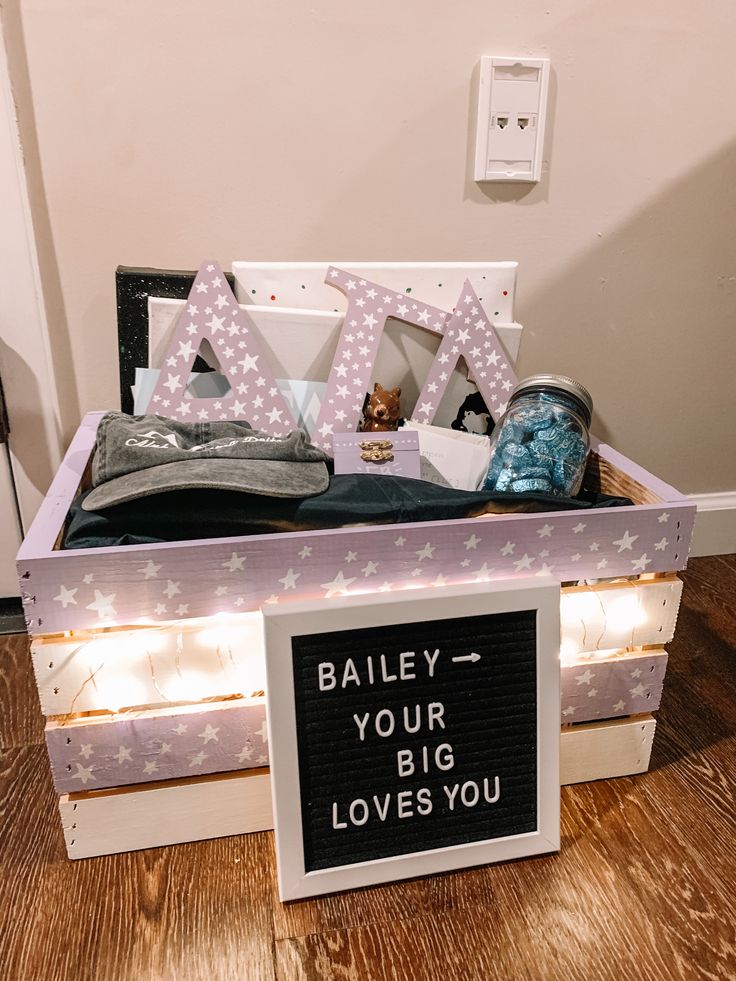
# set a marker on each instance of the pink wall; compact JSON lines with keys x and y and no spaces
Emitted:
{"x":158,"y":133}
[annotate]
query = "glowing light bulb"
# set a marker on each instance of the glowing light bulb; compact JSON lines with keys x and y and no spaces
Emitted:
{"x":625,"y":612}
{"x":568,"y":650}
{"x":252,"y":674}
{"x":191,"y":686}
{"x":121,"y":691}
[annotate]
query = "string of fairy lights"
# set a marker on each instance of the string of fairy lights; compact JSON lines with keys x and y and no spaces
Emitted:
{"x":190,"y":661}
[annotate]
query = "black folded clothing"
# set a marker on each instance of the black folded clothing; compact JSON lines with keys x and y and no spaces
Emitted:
{"x":350,"y":499}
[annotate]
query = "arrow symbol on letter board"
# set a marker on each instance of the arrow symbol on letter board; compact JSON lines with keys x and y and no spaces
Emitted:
{"x":467,"y":657}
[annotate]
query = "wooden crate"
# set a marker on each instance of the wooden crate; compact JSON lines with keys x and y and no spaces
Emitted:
{"x":104,"y":640}
{"x":105,"y":822}
{"x":127,"y":628}
{"x":103,"y":750}
{"x":93,"y":671}
{"x":115,"y":698}
{"x":82,"y":589}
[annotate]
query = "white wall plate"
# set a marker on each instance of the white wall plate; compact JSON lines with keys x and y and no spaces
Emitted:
{"x":512,"y":105}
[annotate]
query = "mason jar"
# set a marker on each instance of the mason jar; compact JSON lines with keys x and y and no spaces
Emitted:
{"x":541,"y":442}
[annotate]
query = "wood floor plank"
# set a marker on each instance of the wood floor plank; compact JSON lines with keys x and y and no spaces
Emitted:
{"x":30,"y":844}
{"x":483,"y":944}
{"x":711,"y":589}
{"x":21,"y":722}
{"x":201,"y":910}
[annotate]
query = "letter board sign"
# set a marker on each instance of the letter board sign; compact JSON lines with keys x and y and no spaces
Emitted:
{"x":413,"y":733}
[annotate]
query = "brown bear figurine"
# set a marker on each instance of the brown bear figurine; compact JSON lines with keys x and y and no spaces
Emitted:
{"x":382,"y":410}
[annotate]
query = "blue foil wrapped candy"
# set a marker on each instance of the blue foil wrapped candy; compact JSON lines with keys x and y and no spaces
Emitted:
{"x":541,"y":443}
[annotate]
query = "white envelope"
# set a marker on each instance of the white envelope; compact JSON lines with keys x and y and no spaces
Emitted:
{"x":461,"y":458}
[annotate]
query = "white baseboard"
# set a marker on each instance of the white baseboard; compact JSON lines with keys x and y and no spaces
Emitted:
{"x":715,"y":524}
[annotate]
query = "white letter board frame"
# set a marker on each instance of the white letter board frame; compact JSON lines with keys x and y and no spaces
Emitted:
{"x":539,"y":594}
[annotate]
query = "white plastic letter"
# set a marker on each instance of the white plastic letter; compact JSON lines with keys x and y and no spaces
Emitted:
{"x":362,"y":724}
{"x":432,"y":660}
{"x":327,"y":679}
{"x":405,"y":762}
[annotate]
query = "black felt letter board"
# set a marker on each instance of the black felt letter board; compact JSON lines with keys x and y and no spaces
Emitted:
{"x":468,"y":772}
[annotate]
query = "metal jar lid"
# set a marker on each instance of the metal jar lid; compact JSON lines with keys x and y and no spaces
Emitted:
{"x":536,"y":383}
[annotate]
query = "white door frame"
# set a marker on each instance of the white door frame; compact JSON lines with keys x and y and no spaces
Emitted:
{"x":25,"y":354}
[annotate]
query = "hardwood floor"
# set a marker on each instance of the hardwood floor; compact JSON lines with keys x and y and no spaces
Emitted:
{"x":643,"y":887}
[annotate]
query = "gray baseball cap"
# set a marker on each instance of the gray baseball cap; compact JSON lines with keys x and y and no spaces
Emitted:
{"x":136,"y":456}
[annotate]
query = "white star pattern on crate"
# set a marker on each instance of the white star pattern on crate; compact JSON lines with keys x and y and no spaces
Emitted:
{"x":84,"y":774}
{"x":209,"y":734}
{"x":640,"y":564}
{"x":585,"y":678}
{"x":606,"y":693}
{"x":234,"y":563}
{"x":102,"y":605}
{"x":66,"y":596}
{"x":197,"y":323}
{"x":161,"y":588}
{"x":215,"y":741}
{"x":289,"y":580}
{"x":626,"y":541}
{"x":339,"y":585}
{"x":150,"y":570}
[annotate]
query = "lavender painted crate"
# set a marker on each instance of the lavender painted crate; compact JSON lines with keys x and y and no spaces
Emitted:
{"x":102,"y":751}
{"x":623,"y":683}
{"x":106,"y":671}
{"x":198,"y":660}
{"x":93,"y":588}
{"x":103,"y":822}
{"x":164,"y":744}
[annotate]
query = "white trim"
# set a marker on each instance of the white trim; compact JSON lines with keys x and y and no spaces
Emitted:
{"x":715,"y":524}
{"x":358,"y":612}
{"x":26,"y":352}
